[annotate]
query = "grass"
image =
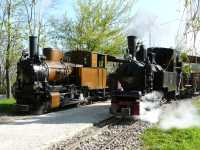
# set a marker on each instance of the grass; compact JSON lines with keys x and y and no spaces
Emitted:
{"x":196,"y":103}
{"x":174,"y":139}
{"x":6,"y":105}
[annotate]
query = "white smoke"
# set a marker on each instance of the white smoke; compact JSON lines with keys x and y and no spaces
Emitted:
{"x":150,"y":107}
{"x":141,"y":23}
{"x":179,"y":114}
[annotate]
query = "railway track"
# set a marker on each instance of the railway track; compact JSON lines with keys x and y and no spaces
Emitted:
{"x":109,"y":134}
{"x":116,"y":137}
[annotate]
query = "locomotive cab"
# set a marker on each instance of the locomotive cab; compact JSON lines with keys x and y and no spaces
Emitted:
{"x":166,"y":79}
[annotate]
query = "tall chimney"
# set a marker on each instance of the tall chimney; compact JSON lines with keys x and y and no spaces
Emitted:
{"x":132,"y":45}
{"x":33,"y":46}
{"x":153,"y":58}
{"x":144,"y":52}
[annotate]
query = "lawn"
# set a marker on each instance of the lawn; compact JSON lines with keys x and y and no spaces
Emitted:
{"x":174,"y":139}
{"x":6,"y":105}
{"x":197,"y":104}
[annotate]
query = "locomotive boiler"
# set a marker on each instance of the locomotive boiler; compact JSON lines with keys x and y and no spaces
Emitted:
{"x":55,"y":80}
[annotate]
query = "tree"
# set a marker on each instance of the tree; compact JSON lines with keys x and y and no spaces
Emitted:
{"x":10,"y":39}
{"x":192,"y":26}
{"x":35,"y":22}
{"x":11,"y":42}
{"x":98,"y":26}
{"x":18,"y":20}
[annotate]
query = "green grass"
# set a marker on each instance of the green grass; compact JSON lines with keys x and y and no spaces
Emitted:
{"x":174,"y":139}
{"x":196,"y":103}
{"x":6,"y":105}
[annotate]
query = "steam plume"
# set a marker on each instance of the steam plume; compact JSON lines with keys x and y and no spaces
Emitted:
{"x":180,"y":114}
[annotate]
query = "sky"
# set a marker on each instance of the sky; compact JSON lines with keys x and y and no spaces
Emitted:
{"x":155,"y":22}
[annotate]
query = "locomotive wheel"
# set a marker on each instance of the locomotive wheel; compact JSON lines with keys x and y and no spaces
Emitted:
{"x":171,"y":96}
{"x":41,"y":109}
{"x":78,"y":105}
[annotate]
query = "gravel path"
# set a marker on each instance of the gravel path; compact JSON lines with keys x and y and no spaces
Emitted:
{"x":10,"y":118}
{"x":120,"y":134}
{"x":41,"y":131}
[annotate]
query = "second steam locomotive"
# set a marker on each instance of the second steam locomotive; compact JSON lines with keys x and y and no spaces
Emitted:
{"x":147,"y":70}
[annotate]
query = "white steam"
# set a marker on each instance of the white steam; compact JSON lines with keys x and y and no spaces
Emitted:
{"x":150,"y":107}
{"x":179,"y":114}
{"x":141,"y":24}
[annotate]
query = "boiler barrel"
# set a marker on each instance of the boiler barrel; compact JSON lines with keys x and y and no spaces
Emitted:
{"x":52,"y":71}
{"x":53,"y":54}
{"x":58,"y":72}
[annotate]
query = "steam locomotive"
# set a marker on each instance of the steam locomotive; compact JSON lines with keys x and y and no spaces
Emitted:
{"x":55,"y":79}
{"x":147,"y":70}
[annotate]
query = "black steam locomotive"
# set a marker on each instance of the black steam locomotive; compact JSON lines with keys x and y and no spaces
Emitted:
{"x":144,"y":71}
{"x":55,"y":80}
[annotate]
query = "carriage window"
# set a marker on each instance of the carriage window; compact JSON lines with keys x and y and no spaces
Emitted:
{"x":85,"y":61}
{"x":101,"y":61}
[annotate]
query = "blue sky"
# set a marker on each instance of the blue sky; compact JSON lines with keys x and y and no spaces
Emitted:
{"x":66,"y":6}
{"x":161,"y":18}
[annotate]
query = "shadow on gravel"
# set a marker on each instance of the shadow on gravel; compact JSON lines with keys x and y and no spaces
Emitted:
{"x":86,"y":114}
{"x":113,"y":121}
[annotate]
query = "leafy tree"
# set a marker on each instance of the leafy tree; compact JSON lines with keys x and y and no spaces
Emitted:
{"x":184,"y":57}
{"x":192,"y":26}
{"x":10,"y":39}
{"x":98,"y":26}
{"x":34,"y":19}
{"x":18,"y":20}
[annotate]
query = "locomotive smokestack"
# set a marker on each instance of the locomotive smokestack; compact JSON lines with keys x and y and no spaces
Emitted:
{"x":132,"y":45}
{"x":144,"y":52}
{"x":33,"y":46}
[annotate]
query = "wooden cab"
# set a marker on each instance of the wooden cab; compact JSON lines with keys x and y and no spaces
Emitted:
{"x":85,"y":58}
{"x":93,"y":74}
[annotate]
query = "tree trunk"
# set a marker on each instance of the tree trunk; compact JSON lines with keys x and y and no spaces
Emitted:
{"x":8,"y":85}
{"x":0,"y":80}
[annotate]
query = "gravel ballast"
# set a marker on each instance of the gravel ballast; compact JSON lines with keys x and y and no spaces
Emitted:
{"x":120,"y":134}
